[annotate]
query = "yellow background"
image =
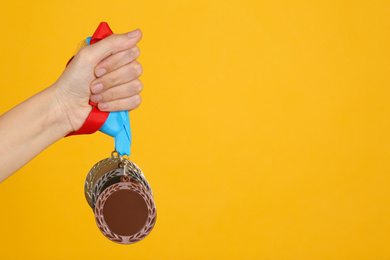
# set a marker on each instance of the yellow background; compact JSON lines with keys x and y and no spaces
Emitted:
{"x":264,"y":129}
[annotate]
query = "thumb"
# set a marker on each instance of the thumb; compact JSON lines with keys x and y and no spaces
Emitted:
{"x":108,"y":46}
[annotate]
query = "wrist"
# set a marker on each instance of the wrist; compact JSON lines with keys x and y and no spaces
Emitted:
{"x":68,"y":112}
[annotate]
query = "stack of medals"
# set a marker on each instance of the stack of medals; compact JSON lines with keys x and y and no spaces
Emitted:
{"x":121,"y":199}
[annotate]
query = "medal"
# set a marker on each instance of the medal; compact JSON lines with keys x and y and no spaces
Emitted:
{"x":124,"y":168}
{"x":106,"y":165}
{"x":97,"y":171}
{"x":121,"y":199}
{"x":125,"y":212}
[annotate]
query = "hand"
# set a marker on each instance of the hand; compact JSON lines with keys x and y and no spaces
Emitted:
{"x":106,"y":73}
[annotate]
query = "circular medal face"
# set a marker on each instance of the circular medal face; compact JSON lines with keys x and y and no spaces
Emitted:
{"x":104,"y":166}
{"x":112,"y":177}
{"x":125,"y":212}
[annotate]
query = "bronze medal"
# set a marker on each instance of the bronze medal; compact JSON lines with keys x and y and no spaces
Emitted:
{"x":121,"y":199}
{"x":125,"y":212}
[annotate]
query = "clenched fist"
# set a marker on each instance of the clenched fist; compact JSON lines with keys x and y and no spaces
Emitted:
{"x":107,"y":73}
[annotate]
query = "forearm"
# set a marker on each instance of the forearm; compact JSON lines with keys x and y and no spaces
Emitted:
{"x":28,"y":129}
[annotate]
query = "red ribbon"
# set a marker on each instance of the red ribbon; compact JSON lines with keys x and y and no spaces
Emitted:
{"x":96,"y":118}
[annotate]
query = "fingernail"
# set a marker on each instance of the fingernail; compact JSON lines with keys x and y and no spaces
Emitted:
{"x":100,"y":72}
{"x":96,"y":98}
{"x":103,"y":105}
{"x":133,"y":33}
{"x":97,"y":88}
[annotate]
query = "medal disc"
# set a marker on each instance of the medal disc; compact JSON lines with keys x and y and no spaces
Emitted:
{"x":112,"y":177}
{"x":125,"y":212}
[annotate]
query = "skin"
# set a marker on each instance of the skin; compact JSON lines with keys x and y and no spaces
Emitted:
{"x":106,"y":73}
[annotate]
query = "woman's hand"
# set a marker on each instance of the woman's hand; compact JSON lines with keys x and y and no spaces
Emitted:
{"x":106,"y":73}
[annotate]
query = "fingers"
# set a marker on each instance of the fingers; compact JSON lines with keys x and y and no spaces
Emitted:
{"x":118,"y":77}
{"x":115,"y":43}
{"x":119,"y":92}
{"x":129,"y":103}
{"x":116,"y":61}
{"x":117,"y":87}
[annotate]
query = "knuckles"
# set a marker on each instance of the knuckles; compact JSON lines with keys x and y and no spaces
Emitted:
{"x":136,"y":68}
{"x":84,"y":55}
{"x":110,"y":96}
{"x":135,"y":52}
{"x":111,"y":81}
{"x":138,"y":86}
{"x":137,"y":100}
